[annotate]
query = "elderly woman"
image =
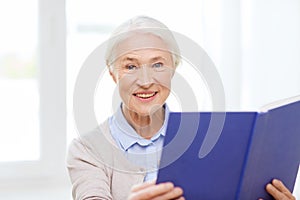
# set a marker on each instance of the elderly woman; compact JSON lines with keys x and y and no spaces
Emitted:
{"x":119,"y":159}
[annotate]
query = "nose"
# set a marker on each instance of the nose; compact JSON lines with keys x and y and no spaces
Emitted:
{"x":145,"y":76}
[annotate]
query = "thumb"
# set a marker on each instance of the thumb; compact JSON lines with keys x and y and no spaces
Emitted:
{"x":141,"y":186}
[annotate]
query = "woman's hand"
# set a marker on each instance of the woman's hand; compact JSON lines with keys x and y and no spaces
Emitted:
{"x":150,"y":190}
{"x":278,"y":190}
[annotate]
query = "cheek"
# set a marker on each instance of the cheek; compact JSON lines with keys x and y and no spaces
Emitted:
{"x":126,"y":85}
{"x":166,"y":93}
{"x":164,"y":80}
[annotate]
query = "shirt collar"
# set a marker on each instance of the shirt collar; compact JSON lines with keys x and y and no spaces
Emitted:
{"x":127,"y":136}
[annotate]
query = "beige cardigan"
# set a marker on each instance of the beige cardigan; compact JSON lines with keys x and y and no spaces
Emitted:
{"x":98,"y":169}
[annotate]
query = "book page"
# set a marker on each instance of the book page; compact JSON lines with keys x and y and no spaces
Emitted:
{"x":279,"y":103}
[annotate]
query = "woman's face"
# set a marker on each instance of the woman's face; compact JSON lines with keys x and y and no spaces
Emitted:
{"x":143,"y":72}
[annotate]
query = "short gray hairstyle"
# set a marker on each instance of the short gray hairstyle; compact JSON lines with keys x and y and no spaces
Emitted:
{"x":141,"y":24}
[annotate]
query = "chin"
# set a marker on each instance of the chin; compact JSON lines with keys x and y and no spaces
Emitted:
{"x":147,"y":110}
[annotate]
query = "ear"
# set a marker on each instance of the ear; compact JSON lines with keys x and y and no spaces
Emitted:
{"x":112,"y":74}
{"x":173,"y":71}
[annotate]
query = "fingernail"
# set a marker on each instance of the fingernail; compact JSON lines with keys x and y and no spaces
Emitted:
{"x":276,"y":181}
{"x":169,"y":185}
{"x":178,"y":190}
{"x":268,"y":185}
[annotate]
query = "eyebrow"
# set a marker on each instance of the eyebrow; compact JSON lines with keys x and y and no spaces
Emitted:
{"x":129,"y":59}
{"x":136,"y":59}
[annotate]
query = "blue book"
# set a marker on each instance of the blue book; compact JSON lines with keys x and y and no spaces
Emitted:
{"x":232,"y":155}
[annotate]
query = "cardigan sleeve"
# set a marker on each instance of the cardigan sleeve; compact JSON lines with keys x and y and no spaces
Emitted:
{"x":90,"y":179}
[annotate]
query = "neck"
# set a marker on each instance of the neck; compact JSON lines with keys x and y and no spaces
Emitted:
{"x":145,"y":125}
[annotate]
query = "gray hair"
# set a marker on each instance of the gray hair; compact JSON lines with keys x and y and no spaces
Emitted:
{"x":141,"y":24}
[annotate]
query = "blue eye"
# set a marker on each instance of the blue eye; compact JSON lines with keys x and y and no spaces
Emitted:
{"x":131,"y":67}
{"x":157,"y":65}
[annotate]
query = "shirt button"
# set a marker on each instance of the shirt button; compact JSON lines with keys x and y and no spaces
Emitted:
{"x":142,"y":169}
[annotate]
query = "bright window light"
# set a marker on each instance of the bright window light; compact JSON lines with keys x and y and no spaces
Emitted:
{"x":19,"y":99}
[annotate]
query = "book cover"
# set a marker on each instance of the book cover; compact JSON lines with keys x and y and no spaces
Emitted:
{"x":232,"y":155}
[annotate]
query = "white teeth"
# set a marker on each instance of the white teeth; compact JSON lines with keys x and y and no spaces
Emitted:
{"x":142,"y":95}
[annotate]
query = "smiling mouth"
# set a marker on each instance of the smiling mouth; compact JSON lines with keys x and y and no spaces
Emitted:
{"x":145,"y":95}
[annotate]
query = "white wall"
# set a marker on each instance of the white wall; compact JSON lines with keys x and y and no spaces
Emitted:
{"x":256,"y":47}
{"x":271,"y":51}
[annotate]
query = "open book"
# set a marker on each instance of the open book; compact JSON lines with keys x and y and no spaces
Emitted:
{"x":232,"y":155}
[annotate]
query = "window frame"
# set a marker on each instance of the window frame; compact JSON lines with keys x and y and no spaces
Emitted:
{"x":52,"y":93}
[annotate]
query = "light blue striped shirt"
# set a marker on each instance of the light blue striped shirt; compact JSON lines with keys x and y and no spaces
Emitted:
{"x":145,"y":153}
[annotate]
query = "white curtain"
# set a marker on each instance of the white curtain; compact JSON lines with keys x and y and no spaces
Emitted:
{"x":256,"y":47}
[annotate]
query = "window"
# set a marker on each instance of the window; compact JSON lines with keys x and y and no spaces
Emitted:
{"x":19,"y":135}
{"x":32,"y":82}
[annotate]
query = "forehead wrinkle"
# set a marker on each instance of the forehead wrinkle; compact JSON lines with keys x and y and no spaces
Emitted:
{"x":145,"y":56}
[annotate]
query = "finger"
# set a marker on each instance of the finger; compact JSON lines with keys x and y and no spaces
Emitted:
{"x":272,"y":190}
{"x":281,"y":187}
{"x":176,"y":193}
{"x":152,"y":191}
{"x":138,"y":187}
{"x":180,"y":198}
